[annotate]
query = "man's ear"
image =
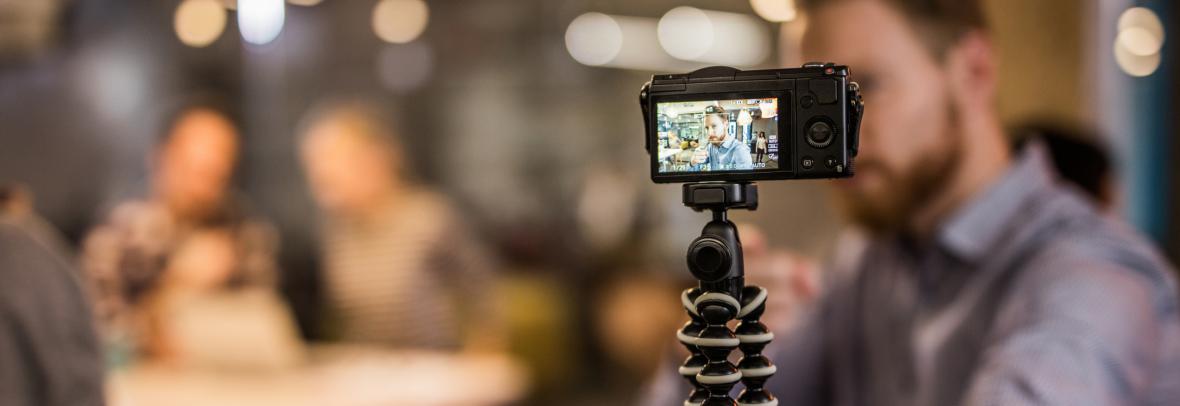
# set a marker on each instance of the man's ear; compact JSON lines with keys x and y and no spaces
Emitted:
{"x":971,"y":68}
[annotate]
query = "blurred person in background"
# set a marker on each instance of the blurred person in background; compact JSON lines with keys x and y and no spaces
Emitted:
{"x":687,"y":149}
{"x":977,"y":278}
{"x":760,"y":147}
{"x":401,"y":267}
{"x":189,"y":235}
{"x":49,"y":353}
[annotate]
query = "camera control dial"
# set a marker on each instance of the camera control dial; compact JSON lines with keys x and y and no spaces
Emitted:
{"x":819,"y":133}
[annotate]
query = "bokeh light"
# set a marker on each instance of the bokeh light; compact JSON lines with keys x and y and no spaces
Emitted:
{"x":199,"y":22}
{"x":745,"y":118}
{"x":686,"y":32}
{"x":1139,"y":41}
{"x":593,"y":39}
{"x":718,"y":37}
{"x":1136,"y":65}
{"x":400,"y":21}
{"x":260,"y":21}
{"x":1142,"y":17}
{"x":616,"y":41}
{"x":775,"y":10}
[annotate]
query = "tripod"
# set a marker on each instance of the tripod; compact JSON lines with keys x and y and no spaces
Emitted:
{"x":715,"y":260}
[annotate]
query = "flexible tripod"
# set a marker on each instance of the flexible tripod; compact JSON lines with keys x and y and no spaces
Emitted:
{"x":715,"y":259}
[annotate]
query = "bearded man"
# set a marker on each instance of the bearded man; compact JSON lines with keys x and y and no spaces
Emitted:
{"x":981,"y":279}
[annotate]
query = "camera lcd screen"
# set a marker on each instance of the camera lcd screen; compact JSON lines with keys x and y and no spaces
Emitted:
{"x":739,"y":135}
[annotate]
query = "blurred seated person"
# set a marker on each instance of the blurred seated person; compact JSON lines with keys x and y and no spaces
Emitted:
{"x":724,"y":152}
{"x":49,"y":354}
{"x":687,"y":149}
{"x":1078,"y":156}
{"x":189,"y":234}
{"x":673,"y":140}
{"x":400,"y":267}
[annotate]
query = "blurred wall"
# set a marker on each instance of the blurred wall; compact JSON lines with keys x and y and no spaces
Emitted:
{"x":1043,"y":58}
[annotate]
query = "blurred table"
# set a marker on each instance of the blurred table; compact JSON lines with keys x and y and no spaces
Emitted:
{"x":332,"y":375}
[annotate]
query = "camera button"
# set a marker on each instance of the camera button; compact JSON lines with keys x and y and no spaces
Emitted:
{"x":826,"y":90}
{"x":807,"y":102}
{"x":807,"y":162}
{"x":831,"y":162}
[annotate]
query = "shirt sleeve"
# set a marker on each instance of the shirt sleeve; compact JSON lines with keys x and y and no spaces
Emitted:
{"x":741,"y":157}
{"x":1074,"y":333}
{"x":470,"y":271}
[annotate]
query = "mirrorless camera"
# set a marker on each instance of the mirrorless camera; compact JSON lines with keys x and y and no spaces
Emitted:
{"x":725,"y":124}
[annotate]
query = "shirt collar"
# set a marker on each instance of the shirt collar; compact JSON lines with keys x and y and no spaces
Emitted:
{"x":728,"y":143}
{"x":974,"y":229}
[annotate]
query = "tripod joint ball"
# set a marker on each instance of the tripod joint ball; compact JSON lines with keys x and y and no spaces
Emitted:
{"x":715,"y":260}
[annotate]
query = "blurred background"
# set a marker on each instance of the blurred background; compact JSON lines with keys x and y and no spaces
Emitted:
{"x":520,"y":115}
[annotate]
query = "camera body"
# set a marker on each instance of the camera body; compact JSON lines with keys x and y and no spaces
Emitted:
{"x":725,"y":124}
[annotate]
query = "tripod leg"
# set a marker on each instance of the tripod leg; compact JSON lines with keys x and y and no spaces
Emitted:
{"x":756,"y":368}
{"x":716,"y":341}
{"x":688,"y":336}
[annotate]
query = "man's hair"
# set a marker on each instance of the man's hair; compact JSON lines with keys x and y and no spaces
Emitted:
{"x":375,"y":120}
{"x":180,"y":108}
{"x":378,"y":122}
{"x":939,"y":23}
{"x":718,"y":111}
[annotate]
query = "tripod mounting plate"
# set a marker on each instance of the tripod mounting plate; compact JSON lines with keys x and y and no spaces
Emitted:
{"x":720,"y":196}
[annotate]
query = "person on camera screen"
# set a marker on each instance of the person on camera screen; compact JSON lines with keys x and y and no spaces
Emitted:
{"x":723,"y":151}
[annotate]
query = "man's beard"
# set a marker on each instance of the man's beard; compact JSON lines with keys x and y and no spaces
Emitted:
{"x":907,"y":189}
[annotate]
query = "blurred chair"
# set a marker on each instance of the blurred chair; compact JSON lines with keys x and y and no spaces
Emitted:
{"x":401,"y":268}
{"x":1079,"y":157}
{"x":635,"y":317}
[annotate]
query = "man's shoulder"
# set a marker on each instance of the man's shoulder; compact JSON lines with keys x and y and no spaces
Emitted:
{"x":1069,"y":225}
{"x":26,"y":265}
{"x":1075,"y":245}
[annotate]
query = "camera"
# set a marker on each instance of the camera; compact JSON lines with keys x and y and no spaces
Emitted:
{"x":725,"y":124}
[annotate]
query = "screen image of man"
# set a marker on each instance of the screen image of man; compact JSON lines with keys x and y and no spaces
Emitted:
{"x":723,"y":152}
